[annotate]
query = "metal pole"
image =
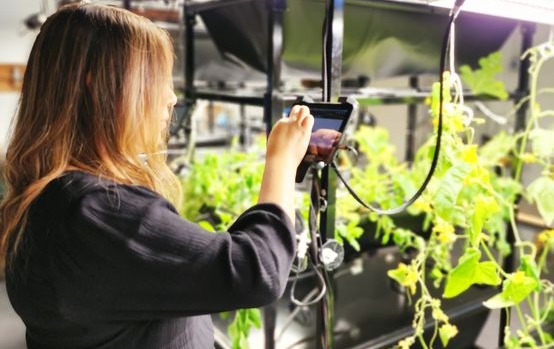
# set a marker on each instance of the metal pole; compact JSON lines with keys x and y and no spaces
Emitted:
{"x":333,"y":29}
{"x":273,"y":101}
{"x":412,"y":119}
{"x":244,"y":137}
{"x":509,"y":263}
{"x":189,"y":18}
{"x":273,"y":109}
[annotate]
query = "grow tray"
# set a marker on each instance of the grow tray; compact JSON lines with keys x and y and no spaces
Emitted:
{"x":371,"y":310}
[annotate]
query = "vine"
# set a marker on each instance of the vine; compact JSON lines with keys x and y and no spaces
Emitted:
{"x":466,"y":207}
{"x":467,"y":204}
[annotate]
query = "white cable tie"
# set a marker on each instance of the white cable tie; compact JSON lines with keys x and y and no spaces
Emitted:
{"x":302,"y":246}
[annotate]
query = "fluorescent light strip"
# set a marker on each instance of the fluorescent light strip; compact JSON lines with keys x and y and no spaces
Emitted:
{"x":539,"y":11}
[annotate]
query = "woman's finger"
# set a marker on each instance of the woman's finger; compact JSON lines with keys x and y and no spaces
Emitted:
{"x":294,"y":113}
{"x":307,"y":122}
{"x":303,"y":113}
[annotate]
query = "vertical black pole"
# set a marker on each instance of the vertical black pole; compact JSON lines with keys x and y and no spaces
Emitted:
{"x":333,"y":29}
{"x":244,"y":136}
{"x":127,"y":4}
{"x":273,"y":109}
{"x":273,"y":102}
{"x":190,"y":99}
{"x":509,"y":263}
{"x":412,"y":119}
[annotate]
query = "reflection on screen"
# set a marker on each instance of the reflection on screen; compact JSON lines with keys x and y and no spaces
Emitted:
{"x":325,"y":136}
{"x":324,"y":139}
{"x":333,"y":124}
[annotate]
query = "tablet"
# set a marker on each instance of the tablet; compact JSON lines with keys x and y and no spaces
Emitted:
{"x":330,"y":120}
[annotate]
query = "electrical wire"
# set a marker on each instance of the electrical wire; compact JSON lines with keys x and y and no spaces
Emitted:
{"x":444,"y":50}
{"x":307,"y":302}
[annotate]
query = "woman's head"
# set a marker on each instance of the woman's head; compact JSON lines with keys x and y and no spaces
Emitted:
{"x":96,"y":96}
{"x":102,"y":76}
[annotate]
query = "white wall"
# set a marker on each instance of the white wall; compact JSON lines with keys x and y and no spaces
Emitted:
{"x":15,"y":44}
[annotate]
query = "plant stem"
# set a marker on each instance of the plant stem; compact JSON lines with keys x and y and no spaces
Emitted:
{"x":422,"y":341}
{"x":532,"y":101}
{"x":435,"y":332}
{"x":534,"y":307}
{"x":515,"y":230}
{"x":521,"y":319}
{"x":491,"y":257}
{"x":542,"y":260}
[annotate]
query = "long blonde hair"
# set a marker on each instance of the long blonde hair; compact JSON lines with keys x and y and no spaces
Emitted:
{"x":92,"y":93}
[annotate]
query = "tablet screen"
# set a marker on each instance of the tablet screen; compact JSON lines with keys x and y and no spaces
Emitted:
{"x":329,"y":123}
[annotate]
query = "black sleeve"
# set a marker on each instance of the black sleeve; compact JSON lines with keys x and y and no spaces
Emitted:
{"x":135,"y":257}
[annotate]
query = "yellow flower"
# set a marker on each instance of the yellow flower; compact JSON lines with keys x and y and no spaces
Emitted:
{"x":545,"y":236}
{"x":445,"y":232}
{"x":423,"y":205}
{"x":470,"y":154}
{"x":406,"y":275}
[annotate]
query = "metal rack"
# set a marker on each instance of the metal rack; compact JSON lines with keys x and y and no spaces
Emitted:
{"x":273,"y":99}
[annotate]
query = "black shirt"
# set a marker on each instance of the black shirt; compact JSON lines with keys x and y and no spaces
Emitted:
{"x":106,"y":265}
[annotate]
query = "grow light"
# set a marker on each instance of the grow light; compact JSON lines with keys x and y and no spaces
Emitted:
{"x":540,"y":11}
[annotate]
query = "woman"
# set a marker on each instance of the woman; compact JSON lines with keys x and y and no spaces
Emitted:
{"x":97,"y":256}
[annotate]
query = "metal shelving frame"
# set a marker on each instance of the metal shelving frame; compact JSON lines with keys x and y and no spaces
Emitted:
{"x":274,"y":99}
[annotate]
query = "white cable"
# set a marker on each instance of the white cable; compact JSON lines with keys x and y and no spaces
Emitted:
{"x":304,"y":302}
{"x":452,"y":49}
{"x":499,"y":119}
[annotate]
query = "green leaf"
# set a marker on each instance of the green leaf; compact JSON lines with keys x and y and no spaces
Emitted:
{"x":405,"y":275}
{"x":402,"y":237}
{"x":468,"y":272}
{"x":541,"y":191}
{"x":446,"y":333}
{"x":446,"y":194}
{"x":531,"y":269}
{"x":206,"y":225}
{"x":485,"y":207}
{"x":497,"y":302}
{"x":350,"y":232}
{"x":483,"y":80}
{"x":509,"y":188}
{"x":487,"y":274}
{"x":542,"y":142}
{"x":497,"y":148}
{"x":255,"y":317}
{"x":517,"y":286}
{"x":461,"y":278}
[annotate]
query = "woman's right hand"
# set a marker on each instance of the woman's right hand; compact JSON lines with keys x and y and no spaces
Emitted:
{"x":286,"y":146}
{"x":289,"y":138}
